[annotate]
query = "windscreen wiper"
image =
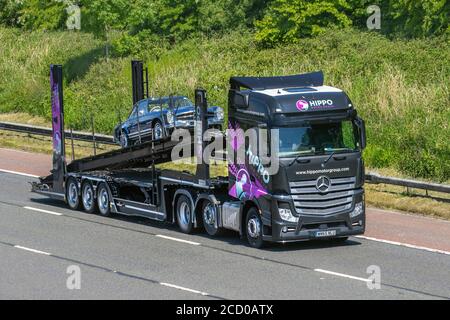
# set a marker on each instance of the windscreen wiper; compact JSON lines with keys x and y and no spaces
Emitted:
{"x":328,"y":159}
{"x":300,"y":155}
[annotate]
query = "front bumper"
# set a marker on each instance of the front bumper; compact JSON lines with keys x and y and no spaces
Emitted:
{"x":311,"y":227}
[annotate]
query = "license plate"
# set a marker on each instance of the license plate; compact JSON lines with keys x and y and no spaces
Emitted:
{"x":326,"y":233}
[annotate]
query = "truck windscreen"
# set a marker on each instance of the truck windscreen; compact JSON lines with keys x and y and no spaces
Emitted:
{"x":317,"y":139}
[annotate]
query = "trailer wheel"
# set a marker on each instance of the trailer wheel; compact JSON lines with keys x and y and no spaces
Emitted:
{"x":72,"y":194}
{"x":254,"y":228}
{"x":103,"y":200}
{"x":210,"y":217}
{"x":184,"y":214}
{"x":87,"y":197}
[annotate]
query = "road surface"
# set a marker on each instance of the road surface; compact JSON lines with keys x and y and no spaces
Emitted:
{"x":130,"y":258}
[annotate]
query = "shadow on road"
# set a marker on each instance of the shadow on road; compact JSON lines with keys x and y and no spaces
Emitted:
{"x":229,"y":237}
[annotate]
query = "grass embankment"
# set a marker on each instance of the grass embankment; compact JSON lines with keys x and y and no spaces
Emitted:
{"x":401,"y":87}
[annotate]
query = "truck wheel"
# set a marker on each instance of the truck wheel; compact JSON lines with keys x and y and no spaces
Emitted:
{"x":158,"y":131}
{"x":123,"y":140}
{"x":210,"y":219}
{"x":103,"y":200}
{"x":184,"y":214}
{"x":87,"y":197}
{"x":72,"y":194}
{"x":254,"y":228}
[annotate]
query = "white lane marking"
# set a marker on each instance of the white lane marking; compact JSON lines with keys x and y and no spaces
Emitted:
{"x":43,"y":211}
{"x":178,"y":240}
{"x":404,"y":245}
{"x":19,"y":173}
{"x":33,"y":250}
{"x":183,"y":288}
{"x":342,"y":275}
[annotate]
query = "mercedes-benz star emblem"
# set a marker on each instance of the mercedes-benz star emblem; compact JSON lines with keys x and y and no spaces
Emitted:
{"x":323,"y":184}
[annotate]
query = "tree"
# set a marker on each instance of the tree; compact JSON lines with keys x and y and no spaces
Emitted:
{"x":289,"y":20}
{"x":103,"y":16}
{"x":10,"y":12}
{"x":42,"y":14}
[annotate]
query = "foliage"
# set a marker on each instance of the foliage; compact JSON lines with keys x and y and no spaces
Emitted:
{"x":289,"y":20}
{"x":400,"y":87}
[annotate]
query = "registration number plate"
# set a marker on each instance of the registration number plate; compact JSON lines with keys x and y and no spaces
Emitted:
{"x":326,"y":233}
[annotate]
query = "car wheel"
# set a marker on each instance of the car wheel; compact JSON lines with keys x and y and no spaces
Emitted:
{"x":185,"y":214}
{"x":254,"y":229}
{"x":124,"y":140}
{"x":158,"y":131}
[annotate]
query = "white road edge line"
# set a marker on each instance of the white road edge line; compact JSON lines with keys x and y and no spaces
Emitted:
{"x":19,"y":173}
{"x":412,"y":246}
{"x":342,"y":275}
{"x":43,"y":211}
{"x":178,"y":240}
{"x":33,"y":250}
{"x":183,"y":288}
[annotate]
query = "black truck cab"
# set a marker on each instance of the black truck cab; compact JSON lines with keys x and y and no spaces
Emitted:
{"x":315,"y":139}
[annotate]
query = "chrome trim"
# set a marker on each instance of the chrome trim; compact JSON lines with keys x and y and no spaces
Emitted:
{"x":143,"y":210}
{"x":323,"y":204}
{"x":186,"y":182}
{"x":308,"y":200}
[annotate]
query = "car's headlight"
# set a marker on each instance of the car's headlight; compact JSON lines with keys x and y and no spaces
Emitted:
{"x":358,"y":210}
{"x":219,"y":114}
{"x":286,"y":215}
{"x":170,"y":117}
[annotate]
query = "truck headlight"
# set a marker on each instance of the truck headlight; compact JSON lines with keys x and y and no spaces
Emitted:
{"x":170,"y":117}
{"x":357,"y":211}
{"x":286,"y":215}
{"x":219,"y":114}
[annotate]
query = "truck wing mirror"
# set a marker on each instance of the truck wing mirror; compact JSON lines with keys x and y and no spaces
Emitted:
{"x":240,"y":100}
{"x":362,"y":131}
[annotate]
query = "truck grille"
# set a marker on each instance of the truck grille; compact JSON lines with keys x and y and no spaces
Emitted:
{"x":308,"y":200}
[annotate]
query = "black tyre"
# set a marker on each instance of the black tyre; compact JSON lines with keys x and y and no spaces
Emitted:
{"x":103,"y":200}
{"x":88,"y":197}
{"x":254,"y":228}
{"x":124,"y":141}
{"x":185,"y":214}
{"x":72,"y":194}
{"x":157,"y":130}
{"x":210,"y":218}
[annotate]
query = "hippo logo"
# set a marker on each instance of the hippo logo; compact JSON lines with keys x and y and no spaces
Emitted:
{"x":302,"y":105}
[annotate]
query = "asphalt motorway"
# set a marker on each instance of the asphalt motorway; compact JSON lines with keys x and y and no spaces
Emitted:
{"x":131,"y":258}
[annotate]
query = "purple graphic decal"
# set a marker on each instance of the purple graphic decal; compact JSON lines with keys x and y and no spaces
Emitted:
{"x":56,"y":115}
{"x":236,"y":136}
{"x":244,"y":187}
